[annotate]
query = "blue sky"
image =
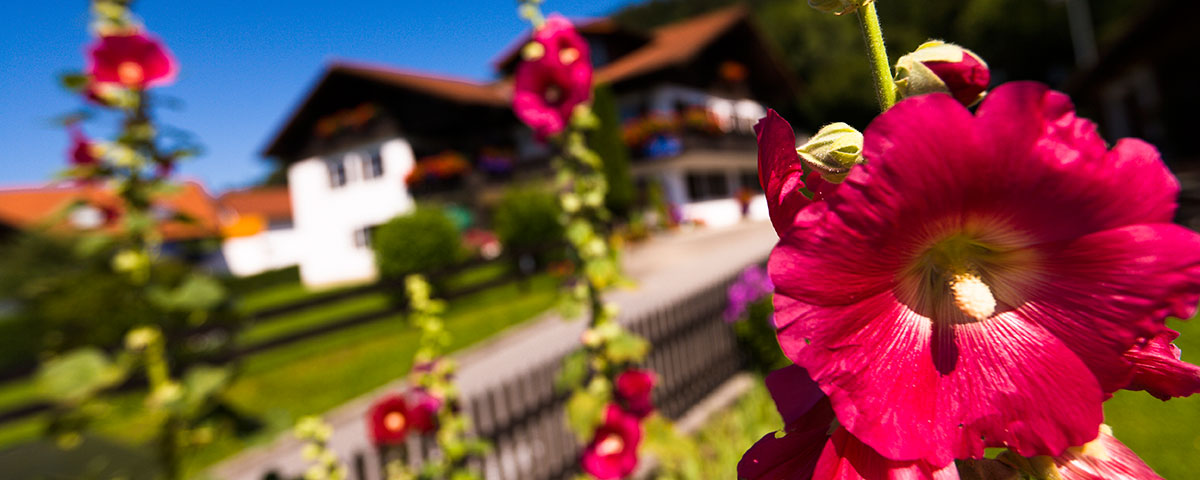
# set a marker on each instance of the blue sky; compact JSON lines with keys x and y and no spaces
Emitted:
{"x":242,"y":70}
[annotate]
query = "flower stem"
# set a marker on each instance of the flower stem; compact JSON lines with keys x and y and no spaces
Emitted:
{"x":881,"y":68}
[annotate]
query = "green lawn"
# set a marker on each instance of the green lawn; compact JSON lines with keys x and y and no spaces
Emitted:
{"x":1165,"y":434}
{"x":280,"y":385}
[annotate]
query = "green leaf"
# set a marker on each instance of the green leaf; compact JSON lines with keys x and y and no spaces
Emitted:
{"x":73,"y":81}
{"x":585,"y":411}
{"x":573,"y":373}
{"x":201,"y":384}
{"x":196,"y":293}
{"x":78,"y":375}
{"x":627,"y":348}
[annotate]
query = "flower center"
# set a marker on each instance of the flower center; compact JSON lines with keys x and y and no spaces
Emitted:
{"x":611,"y":445}
{"x":568,"y":55}
{"x":959,"y":263}
{"x":130,"y":73}
{"x":553,"y":94}
{"x":394,"y":421}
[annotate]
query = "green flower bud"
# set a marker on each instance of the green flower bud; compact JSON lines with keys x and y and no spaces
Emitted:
{"x":936,"y":66}
{"x":833,"y":151}
{"x":838,"y":7}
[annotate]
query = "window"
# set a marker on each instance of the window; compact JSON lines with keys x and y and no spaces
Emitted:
{"x":750,"y":181}
{"x":362,"y":236}
{"x":337,"y":173}
{"x":707,"y":185}
{"x":372,"y":164}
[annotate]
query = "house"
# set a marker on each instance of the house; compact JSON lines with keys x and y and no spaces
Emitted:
{"x":369,"y":140}
{"x":258,"y":230}
{"x":1142,"y":86}
{"x":187,"y":214}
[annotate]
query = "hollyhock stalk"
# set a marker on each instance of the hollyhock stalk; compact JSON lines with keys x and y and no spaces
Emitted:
{"x":885,"y":91}
{"x":551,"y":91}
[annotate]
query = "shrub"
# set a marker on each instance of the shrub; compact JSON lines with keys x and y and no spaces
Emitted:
{"x":59,"y":293}
{"x":526,"y":220}
{"x":422,"y":241}
{"x":612,"y":149}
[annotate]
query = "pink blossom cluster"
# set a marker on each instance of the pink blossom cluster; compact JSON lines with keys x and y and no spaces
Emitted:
{"x":986,"y":279}
{"x":554,"y":78}
{"x":612,"y":453}
{"x":392,"y":417}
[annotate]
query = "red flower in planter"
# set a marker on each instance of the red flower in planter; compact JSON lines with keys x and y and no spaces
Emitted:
{"x":423,"y":411}
{"x":633,"y":388}
{"x":136,"y":61}
{"x":556,"y":78}
{"x":389,"y":420}
{"x":1002,"y":262}
{"x":613,"y":450}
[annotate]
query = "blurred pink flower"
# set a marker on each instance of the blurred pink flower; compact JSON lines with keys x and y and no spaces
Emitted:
{"x":136,"y":60}
{"x":613,"y":450}
{"x":633,"y":388}
{"x":423,"y":410}
{"x":83,"y":151}
{"x":548,"y":88}
{"x":979,"y":280}
{"x":389,"y":419}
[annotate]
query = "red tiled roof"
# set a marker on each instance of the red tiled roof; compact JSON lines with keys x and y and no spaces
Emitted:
{"x":268,"y":202}
{"x":672,"y":44}
{"x":460,"y":90}
{"x":32,"y":208}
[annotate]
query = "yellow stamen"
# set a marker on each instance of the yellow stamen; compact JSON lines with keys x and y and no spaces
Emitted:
{"x":568,"y":56}
{"x":130,"y":73}
{"x":972,"y":296}
{"x":611,"y":445}
{"x":394,"y":421}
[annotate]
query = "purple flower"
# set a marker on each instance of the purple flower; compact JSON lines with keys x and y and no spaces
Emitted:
{"x":752,"y":285}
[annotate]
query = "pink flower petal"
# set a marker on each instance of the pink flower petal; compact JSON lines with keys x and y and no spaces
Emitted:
{"x":779,"y":170}
{"x":807,"y":417}
{"x":846,"y":458}
{"x":1159,"y":370}
{"x":1105,"y":458}
{"x":915,"y":393}
{"x":1102,"y":291}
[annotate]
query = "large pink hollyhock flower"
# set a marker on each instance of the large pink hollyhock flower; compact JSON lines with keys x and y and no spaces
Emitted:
{"x":1159,"y":370}
{"x":613,"y":450}
{"x":978,"y":282}
{"x":807,"y":450}
{"x":547,"y":89}
{"x":137,"y":60}
{"x":389,"y":420}
{"x":633,"y":388}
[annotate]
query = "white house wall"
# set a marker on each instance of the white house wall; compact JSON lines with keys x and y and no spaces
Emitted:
{"x":326,"y":218}
{"x":268,"y":250}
